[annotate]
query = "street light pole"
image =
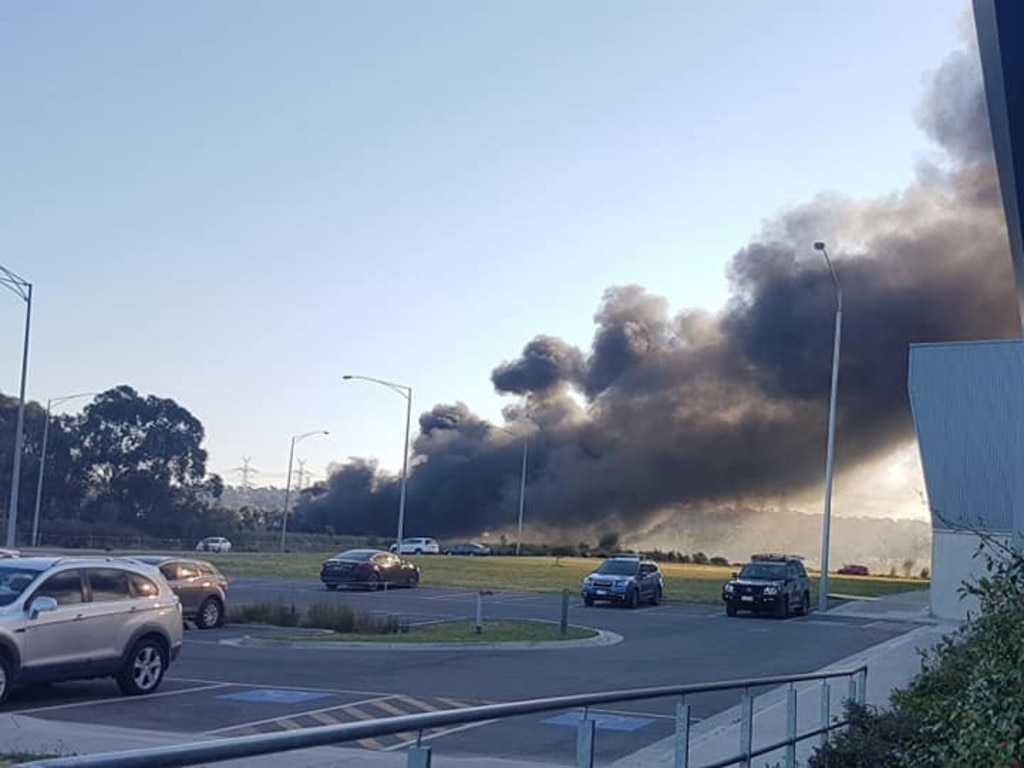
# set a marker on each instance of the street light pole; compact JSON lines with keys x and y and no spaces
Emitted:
{"x":23,"y":289}
{"x":42,"y":460}
{"x":288,"y":481}
{"x":522,"y":486}
{"x":830,"y":453}
{"x":405,"y":392}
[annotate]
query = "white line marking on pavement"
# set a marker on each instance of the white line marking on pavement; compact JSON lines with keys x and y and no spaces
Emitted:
{"x":293,"y":715}
{"x":283,"y":687}
{"x":437,"y":735}
{"x":92,"y":702}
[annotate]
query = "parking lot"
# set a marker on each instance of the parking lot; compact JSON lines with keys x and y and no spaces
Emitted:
{"x":222,"y":688}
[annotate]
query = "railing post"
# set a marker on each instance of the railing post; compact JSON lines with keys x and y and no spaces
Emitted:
{"x":826,"y":700}
{"x":682,"y":756}
{"x":746,"y":726}
{"x":419,"y":757}
{"x":585,"y":742}
{"x":791,"y":726}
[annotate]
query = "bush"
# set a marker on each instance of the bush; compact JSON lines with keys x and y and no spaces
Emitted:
{"x":266,"y":612}
{"x":872,"y":739}
{"x":699,"y":558}
{"x":336,"y":617}
{"x":718,"y":560}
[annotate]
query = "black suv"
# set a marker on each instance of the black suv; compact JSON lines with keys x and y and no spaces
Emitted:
{"x":776,"y":584}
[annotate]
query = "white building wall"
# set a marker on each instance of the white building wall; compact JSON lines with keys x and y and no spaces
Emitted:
{"x":954,"y":562}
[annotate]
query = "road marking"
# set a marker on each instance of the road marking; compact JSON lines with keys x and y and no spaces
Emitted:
{"x":288,"y":724}
{"x":420,"y":704}
{"x":451,"y":596}
{"x":93,"y":702}
{"x":631,"y":713}
{"x":310,"y":712}
{"x":390,"y":708}
{"x":436,"y":734}
{"x":452,"y":702}
{"x":384,"y":694}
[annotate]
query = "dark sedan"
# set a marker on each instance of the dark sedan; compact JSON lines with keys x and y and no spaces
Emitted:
{"x":369,"y":568}
{"x":472,"y":548}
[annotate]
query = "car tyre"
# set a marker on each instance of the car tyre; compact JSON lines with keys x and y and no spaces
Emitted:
{"x":374,"y":583}
{"x":417,"y":551}
{"x":656,"y":597}
{"x":6,"y":677}
{"x":331,"y":587}
{"x":633,"y":600}
{"x":588,"y":601}
{"x":211,"y":614}
{"x":144,"y":668}
{"x":413,"y":581}
{"x":805,"y":605}
{"x":730,"y":609}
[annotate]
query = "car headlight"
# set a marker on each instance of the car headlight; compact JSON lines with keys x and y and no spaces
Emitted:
{"x":771,"y":590}
{"x":729,"y":589}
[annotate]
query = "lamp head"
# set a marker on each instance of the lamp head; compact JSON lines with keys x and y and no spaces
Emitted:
{"x":347,"y":376}
{"x":819,"y":245}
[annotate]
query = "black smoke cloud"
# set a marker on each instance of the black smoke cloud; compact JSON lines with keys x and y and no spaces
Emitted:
{"x":689,"y":410}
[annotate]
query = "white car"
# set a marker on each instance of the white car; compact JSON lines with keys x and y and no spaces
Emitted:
{"x":214,"y":544}
{"x":417,"y":546}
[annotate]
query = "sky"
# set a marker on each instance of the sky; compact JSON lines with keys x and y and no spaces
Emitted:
{"x":235,"y":204}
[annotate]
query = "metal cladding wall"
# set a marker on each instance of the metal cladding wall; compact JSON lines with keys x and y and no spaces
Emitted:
{"x":1000,"y":29}
{"x":969,"y":416}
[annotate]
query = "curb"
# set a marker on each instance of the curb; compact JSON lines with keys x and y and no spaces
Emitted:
{"x":602,"y":639}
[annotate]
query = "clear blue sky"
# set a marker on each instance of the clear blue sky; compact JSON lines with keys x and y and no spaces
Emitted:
{"x":235,"y":203}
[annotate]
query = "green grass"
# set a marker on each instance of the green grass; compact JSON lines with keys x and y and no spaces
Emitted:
{"x":457,"y":632}
{"x":13,"y":758}
{"x":683,"y":582}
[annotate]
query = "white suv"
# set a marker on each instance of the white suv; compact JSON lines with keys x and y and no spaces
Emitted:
{"x":214,"y":544}
{"x":417,"y":546}
{"x":71,"y":618}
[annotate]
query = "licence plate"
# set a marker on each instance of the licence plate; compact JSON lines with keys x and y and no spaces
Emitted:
{"x":747,"y":598}
{"x":602,"y":592}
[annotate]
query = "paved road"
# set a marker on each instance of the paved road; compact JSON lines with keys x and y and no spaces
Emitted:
{"x":219,"y":688}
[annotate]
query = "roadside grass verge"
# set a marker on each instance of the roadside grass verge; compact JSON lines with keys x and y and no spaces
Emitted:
{"x":14,"y":758}
{"x":683,"y":582}
{"x":501,"y":631}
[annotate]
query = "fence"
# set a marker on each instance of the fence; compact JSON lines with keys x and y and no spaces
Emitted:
{"x":419,"y":756}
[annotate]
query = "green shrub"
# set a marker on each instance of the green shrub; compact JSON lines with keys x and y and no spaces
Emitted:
{"x":873,"y":739}
{"x":266,"y":612}
{"x":336,"y":617}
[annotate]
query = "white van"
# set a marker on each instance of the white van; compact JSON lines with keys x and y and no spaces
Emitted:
{"x":417,"y":546}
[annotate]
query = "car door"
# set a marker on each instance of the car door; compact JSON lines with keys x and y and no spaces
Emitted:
{"x":109,"y":608}
{"x":54,"y":639}
{"x":184,"y":578}
{"x":793,"y":584}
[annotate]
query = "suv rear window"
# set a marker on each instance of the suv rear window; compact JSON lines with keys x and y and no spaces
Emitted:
{"x":108,"y":585}
{"x":142,"y":587}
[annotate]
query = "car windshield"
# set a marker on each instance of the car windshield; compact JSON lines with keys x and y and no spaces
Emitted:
{"x":764,"y":571}
{"x":361,"y":555}
{"x":619,"y":567}
{"x":14,"y":581}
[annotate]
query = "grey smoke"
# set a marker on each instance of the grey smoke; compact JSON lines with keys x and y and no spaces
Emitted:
{"x":695,"y":410}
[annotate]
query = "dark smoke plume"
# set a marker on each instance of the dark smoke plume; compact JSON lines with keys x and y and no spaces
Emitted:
{"x":692,"y":410}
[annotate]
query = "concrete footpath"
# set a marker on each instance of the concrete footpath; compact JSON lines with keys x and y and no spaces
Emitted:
{"x":891,"y":664}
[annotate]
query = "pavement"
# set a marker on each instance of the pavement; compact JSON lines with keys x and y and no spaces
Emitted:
{"x":892,"y":663}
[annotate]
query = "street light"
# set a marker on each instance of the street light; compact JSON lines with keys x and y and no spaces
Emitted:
{"x":23,"y":290}
{"x":42,"y":459}
{"x":522,"y":486}
{"x":830,"y":454}
{"x":288,"y":482}
{"x":405,"y":392}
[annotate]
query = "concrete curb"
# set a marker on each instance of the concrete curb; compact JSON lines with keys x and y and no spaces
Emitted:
{"x":602,"y":639}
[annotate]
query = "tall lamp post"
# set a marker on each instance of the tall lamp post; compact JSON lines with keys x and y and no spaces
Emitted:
{"x":522,"y":486}
{"x":23,"y":290}
{"x":42,"y":459}
{"x":830,"y":454}
{"x":288,"y":481}
{"x":405,"y":392}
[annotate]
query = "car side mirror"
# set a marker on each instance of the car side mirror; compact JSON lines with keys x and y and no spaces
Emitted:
{"x":735,"y":574}
{"x":41,"y":604}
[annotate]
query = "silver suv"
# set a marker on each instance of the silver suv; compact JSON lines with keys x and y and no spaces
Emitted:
{"x":70,"y":618}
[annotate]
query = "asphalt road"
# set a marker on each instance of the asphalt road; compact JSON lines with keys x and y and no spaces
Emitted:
{"x":227,"y":689}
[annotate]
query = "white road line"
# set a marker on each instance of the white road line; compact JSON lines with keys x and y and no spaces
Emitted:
{"x":293,"y":715}
{"x":437,"y":735}
{"x":94,"y":702}
{"x":629,"y":713}
{"x":280,"y":687}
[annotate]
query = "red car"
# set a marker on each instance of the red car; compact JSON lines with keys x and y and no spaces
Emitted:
{"x":854,"y":570}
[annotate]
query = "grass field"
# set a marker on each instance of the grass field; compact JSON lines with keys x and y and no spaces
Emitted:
{"x":683,"y":582}
{"x":457,"y":632}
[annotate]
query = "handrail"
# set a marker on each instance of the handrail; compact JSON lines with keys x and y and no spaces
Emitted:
{"x":216,"y":750}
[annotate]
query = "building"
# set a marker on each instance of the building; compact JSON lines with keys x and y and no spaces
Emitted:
{"x":968,"y":398}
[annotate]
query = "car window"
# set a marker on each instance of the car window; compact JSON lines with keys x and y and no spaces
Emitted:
{"x":207,"y":570}
{"x":768,"y":571}
{"x":108,"y":585}
{"x":170,"y":571}
{"x":187,"y":571}
{"x":14,"y":581}
{"x":800,"y":571}
{"x":141,"y":586}
{"x":64,"y":587}
{"x":618,"y":567}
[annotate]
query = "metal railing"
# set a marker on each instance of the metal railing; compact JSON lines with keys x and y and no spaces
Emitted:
{"x":419,"y":756}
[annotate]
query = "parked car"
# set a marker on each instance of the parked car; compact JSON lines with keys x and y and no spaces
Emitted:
{"x":369,"y":568}
{"x":202,"y":589}
{"x":65,"y":618}
{"x":471,"y":548}
{"x":417,"y":546}
{"x":214,"y":544}
{"x":854,"y":570}
{"x":776,"y":584}
{"x":627,"y":579}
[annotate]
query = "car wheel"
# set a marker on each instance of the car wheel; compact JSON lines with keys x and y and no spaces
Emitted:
{"x":6,"y":677}
{"x":656,"y":597}
{"x":331,"y":586}
{"x":211,"y":614}
{"x":413,"y":581}
{"x":783,"y":610}
{"x":144,"y":668}
{"x":374,"y":583}
{"x":633,"y":600}
{"x":417,"y":551}
{"x":730,"y":609}
{"x":588,"y":601}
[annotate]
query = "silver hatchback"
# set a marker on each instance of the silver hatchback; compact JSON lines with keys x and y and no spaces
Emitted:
{"x":75,"y":618}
